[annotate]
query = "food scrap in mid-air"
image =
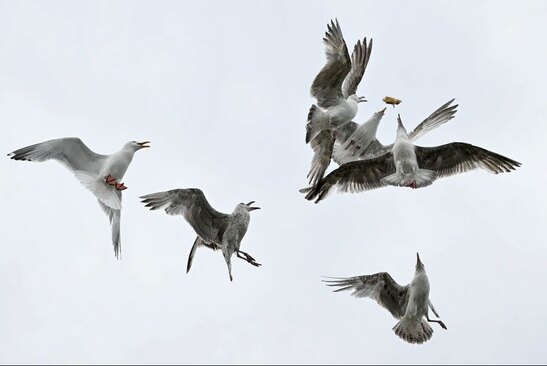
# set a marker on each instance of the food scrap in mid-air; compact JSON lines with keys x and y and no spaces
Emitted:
{"x":392,"y":101}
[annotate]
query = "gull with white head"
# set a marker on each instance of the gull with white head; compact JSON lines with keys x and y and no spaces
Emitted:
{"x":215,"y":230}
{"x":359,"y":142}
{"x":410,"y":303}
{"x":101,"y":174}
{"x":334,"y":89}
{"x":409,"y":165}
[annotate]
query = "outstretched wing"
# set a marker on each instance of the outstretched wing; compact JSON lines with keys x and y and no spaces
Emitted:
{"x":355,"y":176}
{"x":459,"y":157}
{"x":70,"y":151}
{"x":359,"y":60}
{"x":191,"y":203}
{"x":327,"y":85}
{"x":380,"y":287}
{"x":442,"y":115}
{"x":322,"y":147}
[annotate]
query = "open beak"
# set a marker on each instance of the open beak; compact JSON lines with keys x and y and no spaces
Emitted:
{"x":252,"y":208}
{"x":362,"y":99}
{"x":143,"y":144}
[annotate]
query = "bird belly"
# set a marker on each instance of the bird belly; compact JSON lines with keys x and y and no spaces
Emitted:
{"x":342,"y":113}
{"x":405,"y":158}
{"x":419,"y":294}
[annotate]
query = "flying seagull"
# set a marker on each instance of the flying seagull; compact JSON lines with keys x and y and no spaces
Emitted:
{"x":215,"y":230}
{"x":408,"y":165}
{"x":334,"y":89}
{"x":362,"y":142}
{"x":101,"y":174}
{"x":408,"y":303}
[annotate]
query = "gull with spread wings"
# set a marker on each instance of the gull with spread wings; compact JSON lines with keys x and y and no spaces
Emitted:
{"x":334,"y":89}
{"x":101,"y":174}
{"x":215,"y":230}
{"x":408,"y":303}
{"x":409,"y":165}
{"x":359,"y":142}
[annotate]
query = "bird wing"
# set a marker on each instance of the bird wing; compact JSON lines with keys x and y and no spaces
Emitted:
{"x":70,"y":151}
{"x":359,"y":60}
{"x":322,"y":147}
{"x":380,"y":287}
{"x":355,"y":176}
{"x":114,"y":217}
{"x":459,"y":157}
{"x":442,"y":115}
{"x":327,"y":85}
{"x":344,"y":131}
{"x":191,"y":203}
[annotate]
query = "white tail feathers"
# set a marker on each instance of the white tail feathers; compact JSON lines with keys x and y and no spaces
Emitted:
{"x":413,"y":330}
{"x":105,"y":193}
{"x":317,"y":121}
{"x":420,"y":178}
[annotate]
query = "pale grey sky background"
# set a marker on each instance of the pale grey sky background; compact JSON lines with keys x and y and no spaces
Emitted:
{"x":222,"y":91}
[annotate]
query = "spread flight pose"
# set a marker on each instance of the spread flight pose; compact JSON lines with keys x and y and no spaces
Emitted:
{"x":101,"y":174}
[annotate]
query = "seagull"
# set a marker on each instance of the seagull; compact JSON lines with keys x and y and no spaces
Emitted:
{"x":215,"y":230}
{"x":363,"y":144}
{"x":409,"y":165}
{"x":101,"y":174}
{"x":408,"y":303}
{"x":334,"y":89}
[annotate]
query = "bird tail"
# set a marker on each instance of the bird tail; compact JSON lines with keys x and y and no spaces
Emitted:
{"x":114,"y":218}
{"x":420,"y":178}
{"x":105,"y":193}
{"x":197,"y":243}
{"x":317,"y":121}
{"x":413,"y":330}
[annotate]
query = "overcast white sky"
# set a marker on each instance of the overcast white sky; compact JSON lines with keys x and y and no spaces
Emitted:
{"x":222,"y":91}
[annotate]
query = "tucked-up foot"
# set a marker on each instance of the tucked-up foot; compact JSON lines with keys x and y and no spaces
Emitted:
{"x":120,"y":186}
{"x":110,"y":180}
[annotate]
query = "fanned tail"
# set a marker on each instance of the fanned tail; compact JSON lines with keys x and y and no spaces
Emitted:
{"x":420,"y":178}
{"x":413,"y":330}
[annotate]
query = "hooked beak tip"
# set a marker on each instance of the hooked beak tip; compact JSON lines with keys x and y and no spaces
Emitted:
{"x":143,"y":144}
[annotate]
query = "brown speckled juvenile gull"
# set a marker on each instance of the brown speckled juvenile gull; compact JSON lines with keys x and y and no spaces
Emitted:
{"x":215,"y":230}
{"x":410,"y":303}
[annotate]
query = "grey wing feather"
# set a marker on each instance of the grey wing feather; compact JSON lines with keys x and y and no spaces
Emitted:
{"x":380,"y":287}
{"x":355,"y":176}
{"x":327,"y":85}
{"x":459,"y":157}
{"x":359,"y":61}
{"x":191,"y":203}
{"x":442,"y":115}
{"x":70,"y":151}
{"x":114,"y":216}
{"x":322,"y":146}
{"x":344,"y":131}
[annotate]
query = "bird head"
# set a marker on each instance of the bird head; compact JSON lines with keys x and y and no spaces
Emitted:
{"x":400,"y":127}
{"x":419,"y":264}
{"x":134,"y":145}
{"x":357,"y":99}
{"x":378,"y":115}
